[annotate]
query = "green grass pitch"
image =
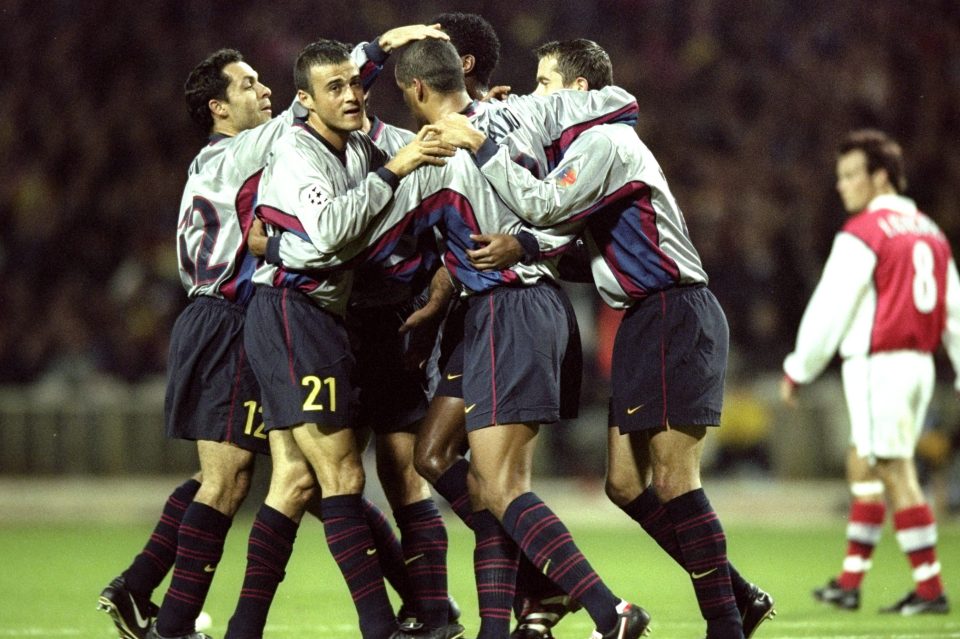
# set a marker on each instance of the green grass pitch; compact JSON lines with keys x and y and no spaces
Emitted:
{"x":52,"y":574}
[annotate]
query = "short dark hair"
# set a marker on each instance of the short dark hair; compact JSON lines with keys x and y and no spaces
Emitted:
{"x":471,"y":34}
{"x":435,"y":62}
{"x":206,"y":82}
{"x":882,"y":151}
{"x":579,"y":58}
{"x":317,"y":54}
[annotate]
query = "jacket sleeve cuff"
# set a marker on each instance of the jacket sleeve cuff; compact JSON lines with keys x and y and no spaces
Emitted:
{"x":273,"y":250}
{"x":486,"y":151}
{"x":375,"y":53}
{"x":389,"y":177}
{"x":531,"y":248}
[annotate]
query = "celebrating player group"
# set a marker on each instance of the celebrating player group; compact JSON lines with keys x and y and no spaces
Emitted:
{"x":350,"y":279}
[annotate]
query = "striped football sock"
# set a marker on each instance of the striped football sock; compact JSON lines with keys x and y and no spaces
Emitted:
{"x":156,"y":559}
{"x":452,"y":486}
{"x":200,"y":546}
{"x":648,"y":511}
{"x":495,"y":559}
{"x":545,"y":540}
{"x":863,"y":534}
{"x":424,"y":539}
{"x":389,"y":552}
{"x":268,"y":551}
{"x":352,"y":546}
{"x":917,"y":536}
{"x":703,"y":548}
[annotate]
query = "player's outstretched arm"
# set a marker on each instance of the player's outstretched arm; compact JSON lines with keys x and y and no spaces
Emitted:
{"x":499,"y":92}
{"x":401,"y":36}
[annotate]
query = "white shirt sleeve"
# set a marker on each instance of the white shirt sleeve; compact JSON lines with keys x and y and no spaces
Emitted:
{"x":578,"y":181}
{"x":951,"y":332}
{"x":846,"y":277}
{"x":331,"y":218}
{"x":251,"y":147}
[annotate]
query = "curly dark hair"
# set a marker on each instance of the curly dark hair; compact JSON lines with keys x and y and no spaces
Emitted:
{"x":471,"y":34}
{"x":206,"y":82}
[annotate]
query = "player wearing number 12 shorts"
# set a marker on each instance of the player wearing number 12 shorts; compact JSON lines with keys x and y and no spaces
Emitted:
{"x":888,"y":296}
{"x":212,"y":396}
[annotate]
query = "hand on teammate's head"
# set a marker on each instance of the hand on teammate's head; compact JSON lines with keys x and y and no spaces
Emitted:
{"x":401,"y":36}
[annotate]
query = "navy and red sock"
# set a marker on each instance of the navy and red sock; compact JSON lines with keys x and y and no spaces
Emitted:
{"x":268,"y":552}
{"x":703,"y":549}
{"x":495,"y":559}
{"x":148,"y":569}
{"x":533,"y":585}
{"x":352,"y":545}
{"x":389,"y":552}
{"x":547,"y":542}
{"x":200,"y":546}
{"x":648,"y":511}
{"x":452,"y":486}
{"x":423,"y":536}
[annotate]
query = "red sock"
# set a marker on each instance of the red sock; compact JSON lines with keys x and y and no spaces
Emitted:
{"x":863,"y":533}
{"x":917,"y":536}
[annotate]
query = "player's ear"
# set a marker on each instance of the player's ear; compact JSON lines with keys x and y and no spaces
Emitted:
{"x":218,"y":108}
{"x":880,"y":179}
{"x":305,"y":99}
{"x":419,"y":89}
{"x":581,"y":84}
{"x":469,"y":62}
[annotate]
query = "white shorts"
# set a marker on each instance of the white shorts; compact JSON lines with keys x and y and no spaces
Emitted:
{"x":888,"y":395}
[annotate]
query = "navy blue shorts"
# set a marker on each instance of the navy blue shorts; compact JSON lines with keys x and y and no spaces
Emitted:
{"x":212,"y":393}
{"x":571,"y":370}
{"x":669,"y":361}
{"x":450,"y":356}
{"x":391,"y":397}
{"x":302,"y":359}
{"x":515,"y":342}
{"x":451,"y":377}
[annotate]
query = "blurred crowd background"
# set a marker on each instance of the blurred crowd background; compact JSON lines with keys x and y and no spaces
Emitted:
{"x":742,"y":101}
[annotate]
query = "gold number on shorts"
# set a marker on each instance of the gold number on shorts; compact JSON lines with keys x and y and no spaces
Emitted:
{"x":253,"y":410}
{"x":317,"y":384}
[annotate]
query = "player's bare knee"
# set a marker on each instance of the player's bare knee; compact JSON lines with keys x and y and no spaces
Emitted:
{"x":221,"y":494}
{"x":302,"y":494}
{"x":621,"y":490}
{"x":238,"y":489}
{"x":430,"y":463}
{"x":295,"y":487}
